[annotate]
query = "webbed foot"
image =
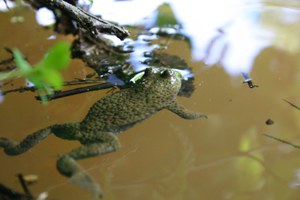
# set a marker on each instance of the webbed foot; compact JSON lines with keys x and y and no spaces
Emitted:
{"x":77,"y":175}
{"x":68,"y":166}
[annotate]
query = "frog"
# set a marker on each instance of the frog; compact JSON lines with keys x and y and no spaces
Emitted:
{"x":97,"y":133}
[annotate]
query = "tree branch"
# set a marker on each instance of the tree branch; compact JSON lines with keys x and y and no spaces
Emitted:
{"x":88,"y":21}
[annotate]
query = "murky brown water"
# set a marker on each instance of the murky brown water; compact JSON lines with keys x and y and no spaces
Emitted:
{"x":166,"y":157}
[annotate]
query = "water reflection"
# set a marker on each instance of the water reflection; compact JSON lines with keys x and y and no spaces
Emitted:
{"x":6,"y":5}
{"x":136,"y":12}
{"x":201,"y":22}
{"x":231,"y":33}
{"x":141,"y":46}
{"x":228,"y":33}
{"x":45,"y":17}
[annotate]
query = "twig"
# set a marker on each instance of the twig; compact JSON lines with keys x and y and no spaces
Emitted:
{"x":88,"y":21}
{"x":24,"y":185}
{"x":7,"y":60}
{"x":20,"y":89}
{"x":67,"y":83}
{"x":283,"y":141}
{"x":66,"y":93}
{"x":82,"y":82}
{"x":61,"y":94}
{"x":293,"y":105}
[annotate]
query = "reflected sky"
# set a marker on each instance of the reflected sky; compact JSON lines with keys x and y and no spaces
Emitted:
{"x":237,"y":44}
{"x":3,"y":7}
{"x":45,"y":17}
{"x":228,"y":32}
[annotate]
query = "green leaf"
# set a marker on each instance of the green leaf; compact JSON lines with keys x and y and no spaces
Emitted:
{"x":45,"y":75}
{"x":21,"y":63}
{"x":53,"y":78}
{"x":58,"y":57}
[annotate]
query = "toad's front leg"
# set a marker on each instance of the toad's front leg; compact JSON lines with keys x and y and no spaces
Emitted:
{"x":67,"y":165}
{"x":184,"y":113}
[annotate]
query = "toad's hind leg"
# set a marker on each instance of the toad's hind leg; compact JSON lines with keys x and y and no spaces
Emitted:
{"x":13,"y":148}
{"x":67,"y":165}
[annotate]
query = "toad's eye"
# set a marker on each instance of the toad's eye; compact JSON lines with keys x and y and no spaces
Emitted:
{"x":165,"y":74}
{"x":148,"y":72}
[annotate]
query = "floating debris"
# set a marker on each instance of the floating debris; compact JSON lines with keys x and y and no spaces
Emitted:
{"x":269,"y":122}
{"x":248,"y":80}
{"x":42,"y":196}
{"x":30,"y":178}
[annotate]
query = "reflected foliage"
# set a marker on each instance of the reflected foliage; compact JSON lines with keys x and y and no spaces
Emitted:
{"x":166,"y":16}
{"x":250,"y":167}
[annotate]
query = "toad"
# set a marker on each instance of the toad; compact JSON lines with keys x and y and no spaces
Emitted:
{"x":111,"y":115}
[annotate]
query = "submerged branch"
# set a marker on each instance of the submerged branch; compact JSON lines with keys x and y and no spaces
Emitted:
{"x":7,"y":60}
{"x":66,"y":93}
{"x":283,"y":141}
{"x":61,"y":94}
{"x":8,"y":193}
{"x":24,"y":185}
{"x":291,"y":104}
{"x":20,"y":89}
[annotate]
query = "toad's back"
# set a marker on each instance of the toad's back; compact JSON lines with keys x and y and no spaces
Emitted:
{"x":121,"y":110}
